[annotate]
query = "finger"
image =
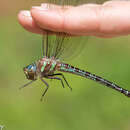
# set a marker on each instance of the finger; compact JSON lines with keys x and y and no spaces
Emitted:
{"x":109,"y":19}
{"x":25,"y":19}
{"x":72,"y":20}
{"x":46,"y":13}
{"x":115,"y":17}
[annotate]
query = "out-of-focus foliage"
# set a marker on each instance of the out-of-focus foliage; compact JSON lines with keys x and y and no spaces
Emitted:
{"x":88,"y":106}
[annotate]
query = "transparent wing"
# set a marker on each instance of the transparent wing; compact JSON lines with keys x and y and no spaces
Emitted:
{"x":62,"y":45}
{"x":54,"y":45}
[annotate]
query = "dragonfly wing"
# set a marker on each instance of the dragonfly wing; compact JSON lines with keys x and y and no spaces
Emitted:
{"x":62,"y":43}
{"x":72,"y":47}
{"x":52,"y":45}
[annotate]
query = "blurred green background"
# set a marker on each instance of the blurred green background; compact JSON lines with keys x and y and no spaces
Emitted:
{"x":88,"y":106}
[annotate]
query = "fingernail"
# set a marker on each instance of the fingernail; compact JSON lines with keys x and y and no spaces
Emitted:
{"x":45,"y":7}
{"x":26,"y":13}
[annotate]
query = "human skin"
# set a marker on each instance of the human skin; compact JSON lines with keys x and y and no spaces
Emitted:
{"x":108,"y":20}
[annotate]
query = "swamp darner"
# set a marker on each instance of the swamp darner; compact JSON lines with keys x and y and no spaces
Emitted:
{"x":50,"y":63}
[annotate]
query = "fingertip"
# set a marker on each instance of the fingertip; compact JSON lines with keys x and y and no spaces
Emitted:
{"x":26,"y":21}
{"x":24,"y":17}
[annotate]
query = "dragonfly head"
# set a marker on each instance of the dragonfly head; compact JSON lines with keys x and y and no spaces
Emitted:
{"x":30,"y":71}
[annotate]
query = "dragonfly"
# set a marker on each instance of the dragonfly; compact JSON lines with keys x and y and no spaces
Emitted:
{"x":51,"y":67}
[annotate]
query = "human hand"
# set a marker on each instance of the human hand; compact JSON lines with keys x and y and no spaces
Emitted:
{"x":107,"y":20}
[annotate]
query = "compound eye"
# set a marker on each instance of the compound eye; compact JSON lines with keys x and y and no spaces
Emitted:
{"x":29,"y":67}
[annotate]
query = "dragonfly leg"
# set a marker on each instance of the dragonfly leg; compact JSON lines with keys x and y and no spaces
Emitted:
{"x":27,"y":84}
{"x":50,"y":77}
{"x":63,"y":78}
{"x":47,"y":86}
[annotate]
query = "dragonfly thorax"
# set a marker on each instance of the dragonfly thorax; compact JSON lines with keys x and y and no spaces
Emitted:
{"x":30,"y":71}
{"x":46,"y":66}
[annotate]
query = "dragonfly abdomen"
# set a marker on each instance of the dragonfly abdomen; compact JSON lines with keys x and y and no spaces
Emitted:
{"x":68,"y":68}
{"x":71,"y":69}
